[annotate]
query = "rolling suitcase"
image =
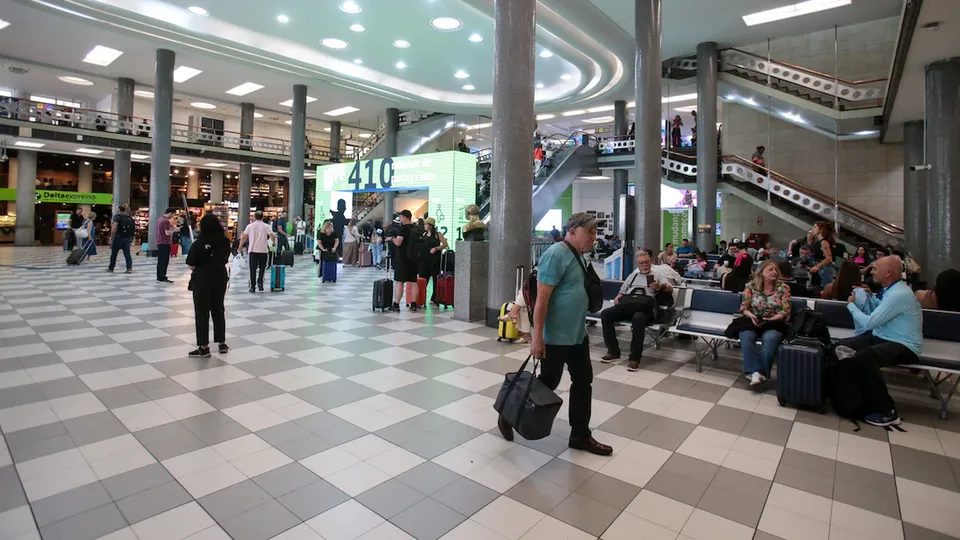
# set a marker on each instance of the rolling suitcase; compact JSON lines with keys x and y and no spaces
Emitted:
{"x":328,"y":271}
{"x":366,"y":258}
{"x":801,"y":366}
{"x":383,"y":291}
{"x":174,"y":249}
{"x":76,"y":256}
{"x":298,"y":246}
{"x":421,"y":298}
{"x":444,"y":284}
{"x":285,"y":258}
{"x":278,"y":277}
{"x":507,"y":330}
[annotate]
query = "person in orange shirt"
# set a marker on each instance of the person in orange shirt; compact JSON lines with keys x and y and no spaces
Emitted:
{"x":537,"y":159}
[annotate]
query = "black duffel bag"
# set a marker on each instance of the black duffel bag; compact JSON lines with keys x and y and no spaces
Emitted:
{"x":527,"y":404}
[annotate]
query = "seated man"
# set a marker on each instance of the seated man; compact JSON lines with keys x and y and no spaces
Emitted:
{"x":686,"y":249}
{"x":648,"y":286}
{"x":889,"y":332}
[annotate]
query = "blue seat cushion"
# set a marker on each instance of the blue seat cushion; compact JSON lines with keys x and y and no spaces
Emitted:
{"x":715,"y":301}
{"x":834,"y":314}
{"x":611,"y":288}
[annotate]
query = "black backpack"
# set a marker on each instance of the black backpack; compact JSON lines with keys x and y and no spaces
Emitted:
{"x":808,"y":324}
{"x":844,"y":391}
{"x":126,"y":226}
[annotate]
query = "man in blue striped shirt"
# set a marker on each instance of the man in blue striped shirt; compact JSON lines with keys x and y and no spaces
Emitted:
{"x":889,"y":329}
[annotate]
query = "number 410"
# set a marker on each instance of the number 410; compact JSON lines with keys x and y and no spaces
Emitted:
{"x":386,"y":174}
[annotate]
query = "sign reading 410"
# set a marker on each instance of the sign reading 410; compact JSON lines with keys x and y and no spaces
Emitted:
{"x":386,"y":175}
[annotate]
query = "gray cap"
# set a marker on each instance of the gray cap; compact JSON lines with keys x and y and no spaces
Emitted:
{"x":582,"y":219}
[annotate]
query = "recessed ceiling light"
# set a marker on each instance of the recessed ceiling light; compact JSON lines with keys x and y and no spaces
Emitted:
{"x":184,"y":74}
{"x":214,"y":164}
{"x":545,"y":116}
{"x":244,"y":89}
{"x":357,"y":27}
{"x":75,"y":80}
{"x":598,"y":120}
{"x":289,"y":102}
{"x":283,"y":19}
{"x":351,"y":7}
{"x":288,"y":122}
{"x":278,"y":171}
{"x":566,"y":76}
{"x":176,"y":171}
{"x":197,"y":10}
{"x":102,"y":56}
{"x":401,"y":64}
{"x":257,"y":115}
{"x":688,"y":108}
{"x":86,"y":163}
{"x":446,"y":24}
{"x":574,"y":113}
{"x":4,"y":24}
{"x":866,"y":133}
{"x":334,"y":43}
{"x":401,"y":44}
{"x":357,"y":61}
{"x":461,"y":74}
{"x":681,"y":97}
{"x":326,"y":129}
{"x":796,"y":10}
{"x":27,"y":144}
{"x":139,"y":156}
{"x":202,"y":105}
{"x":179,"y":161}
{"x":341,"y":111}
{"x":143,"y":93}
{"x":546,"y":53}
{"x":364,"y":135}
{"x":93,"y":151}
{"x":539,"y":85}
{"x":476,"y":38}
{"x":468,"y":87}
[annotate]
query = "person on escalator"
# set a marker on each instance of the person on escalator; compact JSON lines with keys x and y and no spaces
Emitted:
{"x":758,"y":159}
{"x":675,"y":139}
{"x":537,"y":160}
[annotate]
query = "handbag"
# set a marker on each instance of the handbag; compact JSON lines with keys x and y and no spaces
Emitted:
{"x":591,"y":282}
{"x":528,"y":404}
{"x":82,"y":233}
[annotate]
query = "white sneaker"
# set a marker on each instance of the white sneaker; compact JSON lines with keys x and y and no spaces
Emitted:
{"x":844,"y":352}
{"x":756,"y":378}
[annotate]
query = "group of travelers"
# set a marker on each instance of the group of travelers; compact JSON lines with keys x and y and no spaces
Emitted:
{"x":415,"y":250}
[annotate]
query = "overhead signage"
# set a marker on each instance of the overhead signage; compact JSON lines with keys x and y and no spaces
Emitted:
{"x":63,"y":197}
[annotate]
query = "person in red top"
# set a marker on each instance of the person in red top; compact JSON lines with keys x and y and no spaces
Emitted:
{"x":164,"y":238}
{"x":537,"y":158}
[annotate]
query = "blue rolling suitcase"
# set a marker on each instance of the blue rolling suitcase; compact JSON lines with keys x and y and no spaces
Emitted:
{"x":278,"y":277}
{"x":801,"y":369}
{"x":328,"y":271}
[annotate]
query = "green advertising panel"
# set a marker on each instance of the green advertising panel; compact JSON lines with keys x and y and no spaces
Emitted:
{"x":676,"y":225}
{"x":449,"y":177}
{"x":65,"y":197}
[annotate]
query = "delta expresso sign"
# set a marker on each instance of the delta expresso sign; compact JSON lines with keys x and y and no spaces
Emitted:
{"x":62,"y":197}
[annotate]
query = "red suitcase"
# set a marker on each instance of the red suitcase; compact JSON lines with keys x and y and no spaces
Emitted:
{"x":445,"y":289}
{"x":174,"y":249}
{"x":422,"y":286}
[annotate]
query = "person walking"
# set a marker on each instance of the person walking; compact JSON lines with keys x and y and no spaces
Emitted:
{"x":280,"y":230}
{"x":208,"y":281}
{"x":186,"y":234}
{"x":122,"y":229}
{"x":164,"y":238}
{"x":559,"y":335}
{"x":433,"y":245}
{"x":300,"y":226}
{"x":76,"y":221}
{"x":351,"y":244}
{"x":255,"y":236}
{"x":88,"y":240}
{"x":376,"y":247}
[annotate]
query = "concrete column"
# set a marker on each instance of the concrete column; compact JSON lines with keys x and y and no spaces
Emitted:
{"x":943,"y":191}
{"x":25,"y":228}
{"x":707,"y":62}
{"x":85,"y":182}
{"x":619,"y":175}
{"x":390,"y":140}
{"x":245,"y":178}
{"x":334,"y":141}
{"x":510,"y":201}
{"x":121,"y":159}
{"x":216,"y":186}
{"x":193,"y":184}
{"x":914,"y":194}
{"x":648,"y":76}
{"x":162,"y":133}
{"x":298,"y":139}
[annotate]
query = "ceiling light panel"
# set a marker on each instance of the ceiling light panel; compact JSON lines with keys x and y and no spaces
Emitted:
{"x":257,"y":115}
{"x":334,"y":43}
{"x":598,"y":120}
{"x":341,"y":111}
{"x":357,"y":27}
{"x":185,"y":73}
{"x":539,"y":85}
{"x":197,"y":10}
{"x":143,"y":93}
{"x":139,"y":156}
{"x":577,"y":112}
{"x":214,"y":165}
{"x":461,"y":74}
{"x":278,"y":171}
{"x":603,"y":108}
{"x":350,"y":7}
{"x":469,"y":87}
{"x":357,"y":61}
{"x":28,"y":144}
{"x":401,"y":44}
{"x":401,"y":64}
{"x":75,"y":80}
{"x":546,"y":116}
{"x":203,"y":105}
{"x":283,"y":19}
{"x":546,"y":53}
{"x":244,"y":89}
{"x":102,"y":56}
{"x":476,"y":38}
{"x":795,"y":10}
{"x":447,"y":24}
{"x":179,"y":161}
{"x":92,"y":151}
{"x":289,"y":102}
{"x":4,"y":24}
{"x":681,"y":97}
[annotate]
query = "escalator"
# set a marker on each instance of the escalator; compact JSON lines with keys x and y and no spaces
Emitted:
{"x":416,"y":134}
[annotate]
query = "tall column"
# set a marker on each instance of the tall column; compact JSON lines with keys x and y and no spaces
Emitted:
{"x":707,"y":62}
{"x":513,"y":119}
{"x":390,"y":140}
{"x":160,"y":149}
{"x":648,"y":75}
{"x":85,"y":182}
{"x":335,"y":141}
{"x":298,"y":138}
{"x":193,"y":185}
{"x":216,"y":186}
{"x":943,"y":139}
{"x":25,"y":228}
{"x":245,"y":181}
{"x":121,"y":158}
{"x":620,"y":176}
{"x":914,"y":194}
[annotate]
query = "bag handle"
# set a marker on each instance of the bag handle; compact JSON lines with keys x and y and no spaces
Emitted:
{"x":526,"y":393}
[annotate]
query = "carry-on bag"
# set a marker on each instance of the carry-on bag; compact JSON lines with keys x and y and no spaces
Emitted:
{"x":421,"y":299}
{"x":527,"y":404}
{"x":285,"y":258}
{"x":507,"y":329}
{"x":278,"y":277}
{"x":445,"y":283}
{"x":801,"y":366}
{"x":174,"y":249}
{"x":383,"y":291}
{"x":298,"y":246}
{"x":366,"y":258}
{"x":76,"y":256}
{"x":328,"y":271}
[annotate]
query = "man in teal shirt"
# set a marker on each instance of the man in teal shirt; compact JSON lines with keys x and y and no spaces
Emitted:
{"x":889,"y":329}
{"x":559,"y":333}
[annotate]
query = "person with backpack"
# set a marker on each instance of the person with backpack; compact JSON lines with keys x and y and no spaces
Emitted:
{"x":208,"y":282}
{"x":406,"y":262}
{"x":122,"y":230}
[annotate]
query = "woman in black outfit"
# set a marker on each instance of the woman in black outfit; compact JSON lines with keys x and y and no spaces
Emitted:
{"x":327,"y":242}
{"x":208,"y":262}
{"x":432,"y":244}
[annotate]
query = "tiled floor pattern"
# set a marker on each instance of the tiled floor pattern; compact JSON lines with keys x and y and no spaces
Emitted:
{"x":328,"y":421}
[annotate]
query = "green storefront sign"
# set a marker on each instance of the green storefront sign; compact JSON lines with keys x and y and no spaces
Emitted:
{"x":64,"y":197}
{"x":676,"y":225}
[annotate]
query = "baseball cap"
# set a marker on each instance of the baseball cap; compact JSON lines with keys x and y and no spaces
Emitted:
{"x":430,"y":221}
{"x":581,"y":219}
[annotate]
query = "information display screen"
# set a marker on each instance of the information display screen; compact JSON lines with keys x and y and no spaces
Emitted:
{"x":63,"y":221}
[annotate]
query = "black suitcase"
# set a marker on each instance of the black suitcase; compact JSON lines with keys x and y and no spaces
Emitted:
{"x":383,"y":291}
{"x":801,"y":369}
{"x":285,"y":258}
{"x":298,"y":247}
{"x":76,"y":256}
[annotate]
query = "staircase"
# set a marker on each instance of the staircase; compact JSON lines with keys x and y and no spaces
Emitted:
{"x":361,"y":209}
{"x":410,"y":122}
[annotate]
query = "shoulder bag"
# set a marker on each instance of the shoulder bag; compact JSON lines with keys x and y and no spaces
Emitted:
{"x":591,"y":282}
{"x":528,"y":404}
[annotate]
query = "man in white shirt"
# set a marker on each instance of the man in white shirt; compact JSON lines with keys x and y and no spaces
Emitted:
{"x":256,"y":235}
{"x":301,"y":227}
{"x":647,"y":287}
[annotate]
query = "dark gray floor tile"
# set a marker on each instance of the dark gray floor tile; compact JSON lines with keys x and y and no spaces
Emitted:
{"x":223,"y":398}
{"x":261,"y":523}
{"x":160,"y":388}
{"x":465,"y":496}
{"x":809,"y":462}
{"x":768,"y":429}
{"x":692,"y":468}
{"x":804,"y":480}
{"x":916,"y":532}
{"x":741,"y":484}
{"x":428,"y":520}
{"x":430,"y":366}
{"x":282,"y":433}
{"x":11,"y":490}
{"x":676,"y":486}
{"x":827,"y":421}
{"x":456,"y":432}
{"x":538,"y":494}
{"x":923,"y":467}
{"x":59,"y":388}
{"x":552,"y":446}
{"x":96,"y":427}
{"x":429,"y":346}
{"x":564,"y":474}
{"x":617,"y":393}
{"x":867,"y":478}
{"x":429,"y":394}
{"x":269,"y":366}
{"x":705,"y":391}
{"x":34,"y":449}
{"x":153,"y":501}
{"x":180,"y":366}
{"x":341,"y":432}
{"x":760,"y":535}
{"x":132,"y":482}
{"x":675,"y":385}
{"x":214,"y":427}
{"x":234,"y":500}
{"x":69,"y":503}
{"x":878,"y":501}
{"x":362,"y":346}
{"x":313,"y":499}
{"x":726,"y":419}
{"x":585,"y":514}
{"x":428,"y":478}
{"x":286,"y":479}
{"x":303,"y":447}
{"x":255,"y":388}
{"x":20,"y":395}
{"x":334,"y":393}
{"x":121,"y":396}
{"x":390,"y":498}
{"x":609,"y":491}
{"x":318,"y":422}
{"x":169,"y":440}
{"x":89,"y":525}
{"x":351,"y":365}
{"x":743,"y":510}
{"x":628,"y":423}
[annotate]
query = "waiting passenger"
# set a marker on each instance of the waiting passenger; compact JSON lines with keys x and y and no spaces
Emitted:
{"x":696,"y":268}
{"x":739,"y":276}
{"x":766,"y":305}
{"x":945,"y":294}
{"x":207,"y":260}
{"x":861,"y":258}
{"x":765,"y":252}
{"x":668,"y":256}
{"x":722,"y":248}
{"x":686,"y":249}
{"x":847,"y":280}
{"x":889,"y":332}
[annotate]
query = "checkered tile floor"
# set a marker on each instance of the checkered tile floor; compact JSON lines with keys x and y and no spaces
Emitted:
{"x":329,"y":421}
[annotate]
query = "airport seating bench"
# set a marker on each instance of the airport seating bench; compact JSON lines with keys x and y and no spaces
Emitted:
{"x":657,"y":330}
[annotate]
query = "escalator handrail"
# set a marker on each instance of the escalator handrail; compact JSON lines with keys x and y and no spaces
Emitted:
{"x":845,"y":208}
{"x":807,"y":70}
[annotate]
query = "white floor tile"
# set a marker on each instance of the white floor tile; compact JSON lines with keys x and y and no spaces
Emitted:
{"x":508,"y":518}
{"x":176,"y":524}
{"x":347,"y":521}
{"x":703,"y":525}
{"x":663,"y":511}
{"x":629,"y":527}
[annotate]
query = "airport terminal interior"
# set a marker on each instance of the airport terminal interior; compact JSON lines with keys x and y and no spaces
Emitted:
{"x":780,"y":175}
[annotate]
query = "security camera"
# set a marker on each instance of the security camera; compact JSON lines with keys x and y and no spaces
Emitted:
{"x":915,"y":168}
{"x":4,"y":158}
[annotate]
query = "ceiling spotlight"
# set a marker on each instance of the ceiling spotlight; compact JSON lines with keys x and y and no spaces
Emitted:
{"x":476,"y":38}
{"x":257,"y":115}
{"x":93,"y":151}
{"x":75,"y":80}
{"x":283,"y":19}
{"x":197,"y":10}
{"x":566,"y":76}
{"x":350,"y":7}
{"x":401,"y":65}
{"x":143,"y":93}
{"x":469,"y":87}
{"x":357,"y":61}
{"x":545,"y":54}
{"x":86,"y":163}
{"x":334,"y":43}
{"x":139,"y":156}
{"x":179,"y":161}
{"x":288,"y":122}
{"x":447,"y":24}
{"x":401,"y":44}
{"x":102,"y":56}
{"x":539,"y":85}
{"x":357,"y":27}
{"x":202,"y":105}
{"x":461,"y":74}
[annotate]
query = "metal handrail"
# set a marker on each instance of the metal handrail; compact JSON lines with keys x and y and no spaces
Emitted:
{"x":808,"y":70}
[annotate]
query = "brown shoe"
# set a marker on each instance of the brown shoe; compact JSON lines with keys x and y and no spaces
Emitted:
{"x":505,"y":428}
{"x":591,"y":445}
{"x":634,"y":365}
{"x":609,"y":358}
